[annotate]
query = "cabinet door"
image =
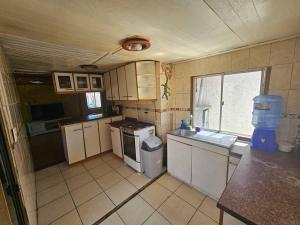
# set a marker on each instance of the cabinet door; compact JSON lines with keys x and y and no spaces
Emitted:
{"x":230,"y":220}
{"x":131,"y":81}
{"x":91,"y":138}
{"x":114,"y":85}
{"x":179,"y":160}
{"x":107,"y":86}
{"x":82,"y":82}
{"x":116,"y":141}
{"x":122,"y":83}
{"x":233,"y":162}
{"x":209,"y":171}
{"x":104,"y":134}
{"x":63,"y":82}
{"x":96,"y":82}
{"x":74,"y":143}
{"x":116,"y":118}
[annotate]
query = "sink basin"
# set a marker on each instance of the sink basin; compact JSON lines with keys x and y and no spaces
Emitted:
{"x":186,"y":133}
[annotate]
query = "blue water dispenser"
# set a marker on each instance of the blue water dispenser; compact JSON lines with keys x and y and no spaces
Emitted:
{"x":266,"y":117}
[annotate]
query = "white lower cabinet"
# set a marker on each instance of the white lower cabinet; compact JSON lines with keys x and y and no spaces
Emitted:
{"x":233,"y":162}
{"x":116,"y":141}
{"x":179,"y":160}
{"x":104,"y":134}
{"x":91,"y":138}
{"x":230,"y":220}
{"x":73,"y":143}
{"x":209,"y":171}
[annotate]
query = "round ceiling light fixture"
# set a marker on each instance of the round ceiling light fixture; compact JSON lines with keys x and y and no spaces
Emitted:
{"x":135,"y":44}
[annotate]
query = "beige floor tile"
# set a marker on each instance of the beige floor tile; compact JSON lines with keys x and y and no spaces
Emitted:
{"x":52,"y":211}
{"x":114,"y":219}
{"x":72,"y":171}
{"x":100,"y":170}
{"x":51,"y":193}
{"x":47,"y":172}
{"x":48,"y":182}
{"x":201,"y":219}
{"x":116,"y":163}
{"x":156,"y":219}
{"x":108,"y":156}
{"x":120,"y":191}
{"x":138,"y":179}
{"x":177,"y":211}
{"x":209,"y":207}
{"x":136,"y":211}
{"x":94,"y":209}
{"x":125,"y":171}
{"x":72,"y":218}
{"x":155,"y":194}
{"x":190,"y":195}
{"x":109,"y":180}
{"x":78,"y":181}
{"x":92,"y":163}
{"x":85,"y":193}
{"x":169,"y":182}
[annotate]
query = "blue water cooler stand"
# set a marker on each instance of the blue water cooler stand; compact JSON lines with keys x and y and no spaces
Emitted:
{"x":264,"y":139}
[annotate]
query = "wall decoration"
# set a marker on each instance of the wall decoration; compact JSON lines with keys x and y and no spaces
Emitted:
{"x":167,"y":70}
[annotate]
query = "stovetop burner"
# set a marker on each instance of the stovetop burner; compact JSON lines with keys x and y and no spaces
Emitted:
{"x":134,"y":124}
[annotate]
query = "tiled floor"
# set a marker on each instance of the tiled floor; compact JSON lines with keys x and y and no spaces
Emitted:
{"x":85,"y":192}
{"x":167,"y":201}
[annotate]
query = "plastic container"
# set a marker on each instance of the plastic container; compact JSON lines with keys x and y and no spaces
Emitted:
{"x":264,"y":139}
{"x":267,"y":111}
{"x":152,"y":156}
{"x":285,"y":146}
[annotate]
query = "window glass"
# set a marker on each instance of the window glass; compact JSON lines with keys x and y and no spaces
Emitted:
{"x":238,"y":93}
{"x":207,"y":98}
{"x":93,"y":100}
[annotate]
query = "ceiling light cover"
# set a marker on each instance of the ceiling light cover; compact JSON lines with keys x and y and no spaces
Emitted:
{"x":135,"y":44}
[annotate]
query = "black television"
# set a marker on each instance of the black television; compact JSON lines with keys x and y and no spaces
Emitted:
{"x":47,"y":111}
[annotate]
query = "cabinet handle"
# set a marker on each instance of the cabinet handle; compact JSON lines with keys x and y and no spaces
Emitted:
{"x":89,"y":126}
{"x":77,"y":129}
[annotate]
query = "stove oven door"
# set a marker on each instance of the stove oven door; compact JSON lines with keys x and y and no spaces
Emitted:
{"x":129,"y":145}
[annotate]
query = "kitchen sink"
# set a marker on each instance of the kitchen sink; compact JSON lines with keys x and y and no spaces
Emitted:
{"x":185,"y":133}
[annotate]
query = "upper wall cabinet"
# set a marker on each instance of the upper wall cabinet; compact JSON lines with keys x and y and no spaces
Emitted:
{"x":146,"y":79}
{"x":131,"y":82}
{"x":114,"y":85}
{"x":82,"y":82}
{"x":63,"y":82}
{"x":122,"y":83}
{"x":107,"y":84}
{"x":77,"y":82}
{"x":96,"y":82}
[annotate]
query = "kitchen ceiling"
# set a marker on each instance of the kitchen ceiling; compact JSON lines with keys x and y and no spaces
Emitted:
{"x":62,"y":34}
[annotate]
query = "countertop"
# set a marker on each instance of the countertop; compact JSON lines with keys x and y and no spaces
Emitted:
{"x":87,"y":118}
{"x":218,"y":139}
{"x":264,"y":189}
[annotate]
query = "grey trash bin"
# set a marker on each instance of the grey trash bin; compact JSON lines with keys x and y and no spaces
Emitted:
{"x":152,"y":156}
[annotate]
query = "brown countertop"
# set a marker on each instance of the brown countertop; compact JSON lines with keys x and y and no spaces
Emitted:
{"x":264,"y":189}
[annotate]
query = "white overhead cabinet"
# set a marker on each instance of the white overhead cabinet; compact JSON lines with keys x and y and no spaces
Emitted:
{"x":116,"y":141}
{"x":104,"y":134}
{"x":179,"y":160}
{"x":91,"y":138}
{"x":82,"y":82}
{"x":96,"y":82}
{"x":131,"y":81}
{"x":63,"y":82}
{"x":107,"y":84}
{"x":114,"y":85}
{"x":122,"y":83}
{"x":146,"y":79}
{"x":73,"y":143}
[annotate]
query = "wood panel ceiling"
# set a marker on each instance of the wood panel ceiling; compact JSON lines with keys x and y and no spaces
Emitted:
{"x":62,"y":34}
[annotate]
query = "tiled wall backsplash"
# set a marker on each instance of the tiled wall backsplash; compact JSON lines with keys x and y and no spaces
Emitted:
{"x":282,"y":56}
{"x":19,"y":150}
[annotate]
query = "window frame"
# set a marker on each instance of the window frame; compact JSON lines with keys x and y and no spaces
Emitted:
{"x":86,"y":101}
{"x":264,"y":85}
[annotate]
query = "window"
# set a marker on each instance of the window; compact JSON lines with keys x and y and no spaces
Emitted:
{"x":224,"y":102}
{"x":93,"y":100}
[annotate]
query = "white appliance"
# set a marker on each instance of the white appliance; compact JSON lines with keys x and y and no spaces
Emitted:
{"x":133,"y":138}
